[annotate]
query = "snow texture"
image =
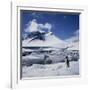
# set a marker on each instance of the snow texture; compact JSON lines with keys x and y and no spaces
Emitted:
{"x":57,"y":69}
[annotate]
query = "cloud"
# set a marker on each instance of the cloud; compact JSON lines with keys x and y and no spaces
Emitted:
{"x":24,"y":36}
{"x":73,"y":42}
{"x":33,"y":26}
{"x":76,"y":33}
{"x":48,"y":26}
{"x":36,"y":15}
{"x":74,"y":38}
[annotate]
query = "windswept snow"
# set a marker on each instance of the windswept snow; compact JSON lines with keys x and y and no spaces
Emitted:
{"x":58,"y":69}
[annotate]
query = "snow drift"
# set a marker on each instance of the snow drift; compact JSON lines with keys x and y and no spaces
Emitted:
{"x":58,"y":69}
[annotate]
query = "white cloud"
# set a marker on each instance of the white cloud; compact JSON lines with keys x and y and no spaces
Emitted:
{"x":73,"y":42}
{"x":34,"y":26}
{"x":48,"y":26}
{"x":76,"y":33}
{"x":74,"y":38}
{"x":24,"y":36}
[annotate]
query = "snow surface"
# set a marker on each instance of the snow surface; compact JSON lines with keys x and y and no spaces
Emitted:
{"x":55,"y":56}
{"x":57,"y":69}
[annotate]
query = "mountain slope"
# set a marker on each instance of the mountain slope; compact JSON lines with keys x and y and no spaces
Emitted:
{"x":50,"y":41}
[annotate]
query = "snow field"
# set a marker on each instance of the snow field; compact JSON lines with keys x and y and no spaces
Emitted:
{"x":57,"y":69}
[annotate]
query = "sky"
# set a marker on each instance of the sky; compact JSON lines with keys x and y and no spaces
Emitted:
{"x":63,"y":25}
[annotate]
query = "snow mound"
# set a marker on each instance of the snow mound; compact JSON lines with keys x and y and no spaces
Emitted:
{"x":58,"y":69}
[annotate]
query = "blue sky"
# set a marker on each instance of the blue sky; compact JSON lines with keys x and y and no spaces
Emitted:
{"x":64,"y":25}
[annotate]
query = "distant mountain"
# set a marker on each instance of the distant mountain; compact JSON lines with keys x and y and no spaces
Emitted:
{"x":73,"y":46}
{"x":43,"y":40}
